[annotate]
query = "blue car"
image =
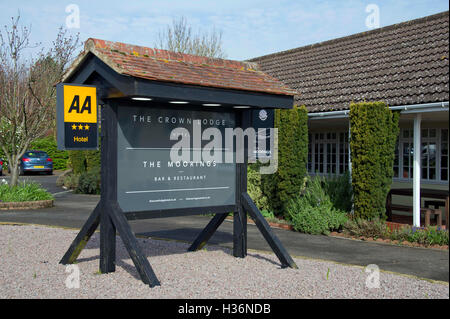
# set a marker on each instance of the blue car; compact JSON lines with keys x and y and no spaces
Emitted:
{"x":36,"y":161}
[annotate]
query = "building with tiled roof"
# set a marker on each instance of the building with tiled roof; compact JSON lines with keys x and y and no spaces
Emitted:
{"x":405,"y":65}
{"x":401,"y":64}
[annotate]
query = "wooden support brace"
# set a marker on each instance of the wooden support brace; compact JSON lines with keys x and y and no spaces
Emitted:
{"x":266,"y":231}
{"x":131,"y":244}
{"x":207,"y":232}
{"x":107,"y":242}
{"x":83,"y":237}
{"x":240,"y":233}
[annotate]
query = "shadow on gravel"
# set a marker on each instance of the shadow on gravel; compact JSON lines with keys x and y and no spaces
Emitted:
{"x":257,"y":256}
{"x":188,"y":235}
{"x":157,"y":247}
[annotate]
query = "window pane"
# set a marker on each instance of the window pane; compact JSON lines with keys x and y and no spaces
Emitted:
{"x":424,"y":158}
{"x":424,"y":173}
{"x":444,"y":174}
{"x":432,"y":132}
{"x":444,"y":161}
{"x":444,"y":135}
{"x":432,"y":154}
{"x":395,"y":171}
{"x":405,"y":133}
{"x":432,"y":173}
{"x":424,"y":132}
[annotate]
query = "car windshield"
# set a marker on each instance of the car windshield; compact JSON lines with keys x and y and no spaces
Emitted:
{"x":35,"y":154}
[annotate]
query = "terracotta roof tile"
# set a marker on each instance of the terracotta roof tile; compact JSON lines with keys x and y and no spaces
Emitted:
{"x":405,"y":63}
{"x":162,"y":65}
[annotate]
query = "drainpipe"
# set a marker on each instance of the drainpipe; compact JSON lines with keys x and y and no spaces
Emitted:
{"x":416,"y":170}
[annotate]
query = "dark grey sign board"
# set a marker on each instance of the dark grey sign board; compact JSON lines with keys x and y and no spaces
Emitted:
{"x":149,"y":180}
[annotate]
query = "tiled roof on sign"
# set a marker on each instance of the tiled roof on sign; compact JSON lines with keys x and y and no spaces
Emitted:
{"x":167,"y":66}
{"x":402,"y":64}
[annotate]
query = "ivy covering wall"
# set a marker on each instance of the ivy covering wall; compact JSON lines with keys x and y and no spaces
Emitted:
{"x":373,"y":134}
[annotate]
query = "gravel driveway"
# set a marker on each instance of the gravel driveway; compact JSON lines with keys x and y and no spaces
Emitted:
{"x":29,"y":268}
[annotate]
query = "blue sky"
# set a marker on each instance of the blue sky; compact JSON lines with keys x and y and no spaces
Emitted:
{"x":250,"y":28}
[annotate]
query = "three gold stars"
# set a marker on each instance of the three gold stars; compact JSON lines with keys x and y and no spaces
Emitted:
{"x":80,"y":127}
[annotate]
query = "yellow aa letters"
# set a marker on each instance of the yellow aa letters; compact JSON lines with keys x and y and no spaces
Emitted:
{"x":80,"y":104}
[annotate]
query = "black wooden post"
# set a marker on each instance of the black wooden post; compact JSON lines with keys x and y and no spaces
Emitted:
{"x":266,"y":231}
{"x":82,"y":238}
{"x":108,"y":189}
{"x":239,"y":216}
{"x":131,"y":244}
{"x":206,"y":233}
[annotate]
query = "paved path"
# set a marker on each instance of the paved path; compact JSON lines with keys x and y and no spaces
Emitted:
{"x":71,"y":210}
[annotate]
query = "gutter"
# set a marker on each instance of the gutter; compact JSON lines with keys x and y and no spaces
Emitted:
{"x":404,"y":109}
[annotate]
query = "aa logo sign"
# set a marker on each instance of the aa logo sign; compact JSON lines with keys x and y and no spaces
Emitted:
{"x":77,"y":117}
{"x":80,"y":104}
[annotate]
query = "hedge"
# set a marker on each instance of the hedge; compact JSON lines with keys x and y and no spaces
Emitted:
{"x":373,"y":134}
{"x":84,"y":161}
{"x":287,"y":182}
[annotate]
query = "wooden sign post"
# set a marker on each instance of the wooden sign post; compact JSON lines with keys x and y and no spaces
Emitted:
{"x":140,"y":179}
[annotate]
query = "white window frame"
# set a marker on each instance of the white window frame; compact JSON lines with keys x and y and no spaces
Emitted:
{"x":409,"y":139}
{"x":438,"y":140}
{"x":337,"y":141}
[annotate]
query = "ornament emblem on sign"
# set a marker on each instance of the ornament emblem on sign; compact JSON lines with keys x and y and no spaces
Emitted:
{"x":263,"y":115}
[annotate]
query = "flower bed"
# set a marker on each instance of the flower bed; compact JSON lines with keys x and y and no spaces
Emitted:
{"x":398,"y":234}
{"x":26,"y":205}
{"x":26,"y":195}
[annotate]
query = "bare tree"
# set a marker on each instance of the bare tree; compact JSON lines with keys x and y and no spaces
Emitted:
{"x":179,"y":38}
{"x":27,"y":91}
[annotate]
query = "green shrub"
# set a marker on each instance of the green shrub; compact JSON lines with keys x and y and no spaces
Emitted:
{"x":48,"y":144}
{"x":77,"y":161}
{"x":92,"y":159}
{"x":268,"y":214}
{"x":425,"y":236}
{"x":286,"y":183}
{"x":83,"y":161}
{"x":254,"y":188}
{"x":313,"y":211}
{"x":89,"y":182}
{"x":315,"y":220}
{"x":375,"y":228}
{"x":374,"y":131}
{"x":23,"y":192}
{"x":71,"y":181}
{"x":339,"y":188}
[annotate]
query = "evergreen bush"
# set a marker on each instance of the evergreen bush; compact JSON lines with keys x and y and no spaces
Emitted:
{"x":89,"y":182}
{"x":287,"y":182}
{"x":254,"y":188}
{"x":374,"y":131}
{"x":313,"y":211}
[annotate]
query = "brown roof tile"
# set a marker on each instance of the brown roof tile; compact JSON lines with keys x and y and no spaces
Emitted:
{"x":405,"y":63}
{"x":162,"y":65}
